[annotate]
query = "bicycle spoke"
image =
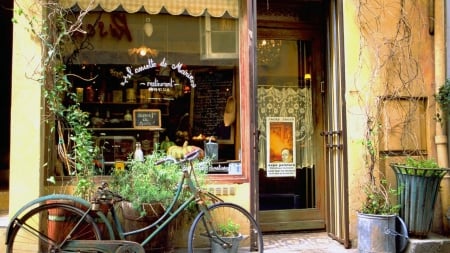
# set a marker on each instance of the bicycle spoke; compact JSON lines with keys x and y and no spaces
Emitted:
{"x":42,"y":237}
{"x":46,"y":228}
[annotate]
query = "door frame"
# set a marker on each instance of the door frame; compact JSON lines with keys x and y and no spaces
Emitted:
{"x":312,"y":218}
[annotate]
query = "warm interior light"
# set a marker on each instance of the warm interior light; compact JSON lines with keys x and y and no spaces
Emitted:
{"x":269,"y":52}
{"x":307,"y":76}
{"x":143,"y":51}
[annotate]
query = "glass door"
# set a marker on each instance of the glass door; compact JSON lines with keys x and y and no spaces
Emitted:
{"x":289,"y":114}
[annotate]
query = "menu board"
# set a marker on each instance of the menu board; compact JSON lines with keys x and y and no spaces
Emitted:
{"x":146,"y":118}
{"x":210,"y":99}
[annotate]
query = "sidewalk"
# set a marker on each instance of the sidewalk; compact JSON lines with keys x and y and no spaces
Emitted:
{"x":311,"y":242}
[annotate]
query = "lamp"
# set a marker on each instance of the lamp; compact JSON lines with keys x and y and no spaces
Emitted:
{"x":307,"y":80}
{"x":148,"y":27}
{"x":144,"y":50}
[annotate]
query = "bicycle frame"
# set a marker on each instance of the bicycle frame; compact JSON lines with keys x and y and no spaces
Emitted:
{"x":111,"y":245}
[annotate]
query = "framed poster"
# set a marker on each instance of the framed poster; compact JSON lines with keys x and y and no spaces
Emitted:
{"x":280,"y":146}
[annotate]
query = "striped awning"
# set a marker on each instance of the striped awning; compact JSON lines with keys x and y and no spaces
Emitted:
{"x":215,"y":8}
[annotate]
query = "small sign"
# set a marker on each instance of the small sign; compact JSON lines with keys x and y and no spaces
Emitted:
{"x":146,"y":118}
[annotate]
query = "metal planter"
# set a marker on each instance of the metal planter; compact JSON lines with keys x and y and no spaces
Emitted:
{"x":419,"y":189}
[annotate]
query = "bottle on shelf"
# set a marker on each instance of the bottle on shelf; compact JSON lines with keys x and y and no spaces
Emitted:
{"x":128,"y":116}
{"x":138,"y":154}
{"x":117,"y":94}
{"x":130,"y":92}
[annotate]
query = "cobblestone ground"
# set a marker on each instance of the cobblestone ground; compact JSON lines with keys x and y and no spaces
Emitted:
{"x":311,"y":242}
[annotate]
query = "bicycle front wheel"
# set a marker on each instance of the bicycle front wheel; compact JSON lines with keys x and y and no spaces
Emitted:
{"x":204,"y":237}
{"x":46,"y":227}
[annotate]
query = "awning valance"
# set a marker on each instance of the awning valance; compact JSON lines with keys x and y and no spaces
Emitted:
{"x":215,"y":8}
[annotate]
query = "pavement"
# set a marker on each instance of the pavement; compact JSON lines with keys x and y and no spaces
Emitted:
{"x":311,"y":242}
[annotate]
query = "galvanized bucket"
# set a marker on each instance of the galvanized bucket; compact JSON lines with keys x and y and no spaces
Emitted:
{"x":381,"y":233}
{"x":418,"y":194}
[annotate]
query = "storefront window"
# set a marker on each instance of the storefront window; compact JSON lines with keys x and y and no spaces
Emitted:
{"x":158,"y":79}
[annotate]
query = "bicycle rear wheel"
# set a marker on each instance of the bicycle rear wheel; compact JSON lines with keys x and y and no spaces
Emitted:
{"x":203,"y":239}
{"x":46,"y":227}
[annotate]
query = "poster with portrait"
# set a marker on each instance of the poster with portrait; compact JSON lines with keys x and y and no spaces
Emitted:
{"x":280,"y":146}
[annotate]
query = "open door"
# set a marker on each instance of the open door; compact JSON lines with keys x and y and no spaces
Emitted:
{"x":290,"y":60}
{"x":334,"y":134}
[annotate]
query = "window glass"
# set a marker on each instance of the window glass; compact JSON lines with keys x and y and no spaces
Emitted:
{"x":158,"y":80}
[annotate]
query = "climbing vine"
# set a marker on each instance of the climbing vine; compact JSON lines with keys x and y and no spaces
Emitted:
{"x":54,"y":30}
{"x":390,"y":83}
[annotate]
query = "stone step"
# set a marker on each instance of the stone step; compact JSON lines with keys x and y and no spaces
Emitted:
{"x":433,"y":244}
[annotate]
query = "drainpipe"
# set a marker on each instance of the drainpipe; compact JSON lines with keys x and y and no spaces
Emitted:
{"x":439,"y":11}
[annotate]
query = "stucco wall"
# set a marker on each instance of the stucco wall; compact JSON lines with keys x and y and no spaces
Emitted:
{"x":389,"y":51}
{"x":26,"y":174}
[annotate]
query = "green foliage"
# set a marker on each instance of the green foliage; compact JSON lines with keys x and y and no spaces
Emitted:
{"x":379,"y":198}
{"x":421,"y":163}
{"x":146,"y":182}
{"x":421,"y":167}
{"x":54,"y":31}
{"x":443,"y":96}
{"x":228,"y":229}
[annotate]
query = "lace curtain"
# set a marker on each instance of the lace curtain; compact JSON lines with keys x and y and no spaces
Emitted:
{"x":287,"y":102}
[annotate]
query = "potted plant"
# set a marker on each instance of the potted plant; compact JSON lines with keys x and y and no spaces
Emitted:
{"x":378,"y":215}
{"x":145,"y":182}
{"x":229,"y":232}
{"x":149,"y":190}
{"x":378,"y":222}
{"x":420,"y":180}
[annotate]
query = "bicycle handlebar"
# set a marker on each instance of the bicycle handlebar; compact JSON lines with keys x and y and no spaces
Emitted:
{"x":103,"y":193}
{"x":187,"y":157}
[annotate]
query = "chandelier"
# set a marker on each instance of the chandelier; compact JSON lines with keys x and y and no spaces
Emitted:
{"x":268,"y":52}
{"x":144,"y":50}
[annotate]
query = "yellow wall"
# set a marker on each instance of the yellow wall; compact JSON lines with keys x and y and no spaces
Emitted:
{"x":26,"y":172}
{"x":371,"y":70}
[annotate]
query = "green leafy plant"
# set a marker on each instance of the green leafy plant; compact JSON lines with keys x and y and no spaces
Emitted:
{"x":421,"y":167}
{"x":421,"y":163}
{"x":379,"y":194}
{"x":146,"y":182}
{"x":443,"y":97}
{"x":228,"y":229}
{"x":63,"y":114}
{"x":379,"y":197}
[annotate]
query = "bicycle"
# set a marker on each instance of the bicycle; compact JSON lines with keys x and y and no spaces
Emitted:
{"x":30,"y":228}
